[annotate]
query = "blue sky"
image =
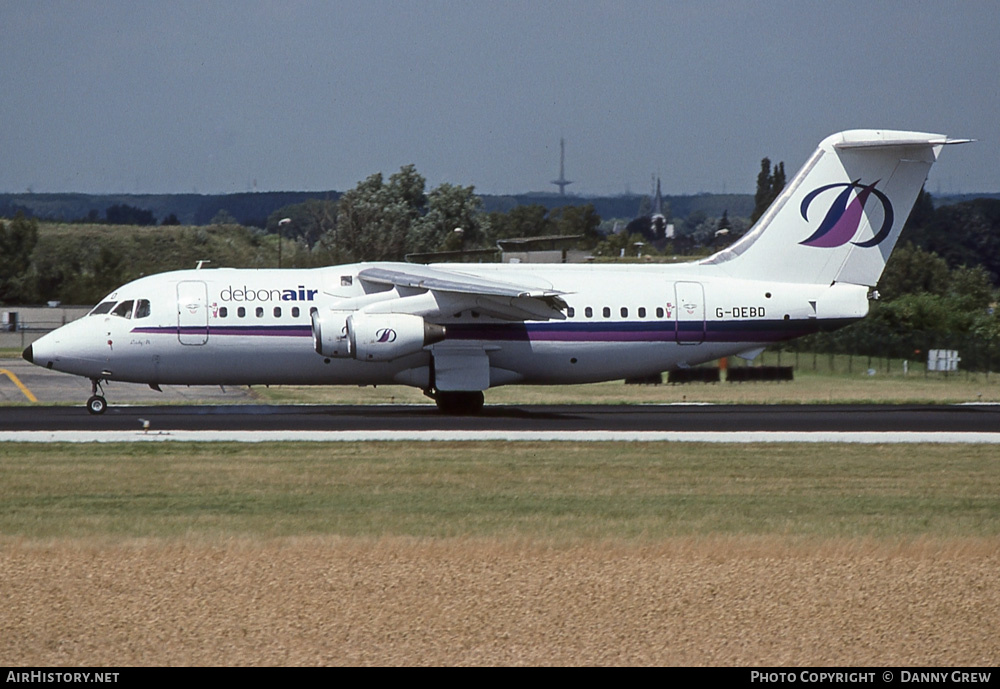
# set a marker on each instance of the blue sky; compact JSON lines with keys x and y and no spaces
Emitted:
{"x":213,"y":97}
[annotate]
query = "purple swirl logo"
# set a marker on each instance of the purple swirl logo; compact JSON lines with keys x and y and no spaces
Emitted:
{"x":844,"y":215}
{"x":385,"y":335}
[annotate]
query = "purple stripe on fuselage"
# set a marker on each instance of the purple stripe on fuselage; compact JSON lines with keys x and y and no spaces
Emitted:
{"x":238,"y":330}
{"x":664,"y":331}
{"x":717,"y":331}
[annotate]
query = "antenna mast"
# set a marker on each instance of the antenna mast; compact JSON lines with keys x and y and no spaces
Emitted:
{"x":562,"y":181}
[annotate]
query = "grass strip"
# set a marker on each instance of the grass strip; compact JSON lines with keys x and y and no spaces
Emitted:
{"x":552,"y":491}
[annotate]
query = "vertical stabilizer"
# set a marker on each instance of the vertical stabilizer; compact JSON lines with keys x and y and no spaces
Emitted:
{"x":838,"y":219}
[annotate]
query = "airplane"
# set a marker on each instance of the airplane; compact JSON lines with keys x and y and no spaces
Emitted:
{"x":456,"y":330}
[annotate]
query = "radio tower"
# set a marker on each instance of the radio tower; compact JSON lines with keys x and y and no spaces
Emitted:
{"x":562,"y":181}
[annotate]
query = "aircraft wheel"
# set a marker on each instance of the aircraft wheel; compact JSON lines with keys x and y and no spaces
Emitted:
{"x":460,"y":403}
{"x":97,"y":405}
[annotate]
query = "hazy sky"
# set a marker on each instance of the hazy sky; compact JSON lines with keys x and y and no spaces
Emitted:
{"x":213,"y":96}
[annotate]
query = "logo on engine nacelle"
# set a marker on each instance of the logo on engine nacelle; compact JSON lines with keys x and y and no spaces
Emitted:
{"x":385,"y":335}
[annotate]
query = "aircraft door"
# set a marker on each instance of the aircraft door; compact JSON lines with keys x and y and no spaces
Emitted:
{"x":192,"y":312}
{"x":690,"y":312}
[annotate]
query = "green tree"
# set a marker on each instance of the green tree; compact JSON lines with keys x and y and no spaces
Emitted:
{"x":123,"y":214}
{"x":520,"y":221}
{"x":449,"y":207}
{"x":536,"y":221}
{"x":921,"y":215}
{"x":407,"y":186}
{"x":224,"y":217}
{"x":17,"y":241}
{"x":374,"y":218}
{"x":310,"y":221}
{"x":911,"y":270}
{"x":969,"y":289}
{"x":770,"y":182}
{"x":582,"y":220}
{"x":965,"y":233}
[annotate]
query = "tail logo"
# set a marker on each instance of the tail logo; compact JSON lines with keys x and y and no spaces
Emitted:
{"x":844,"y":216}
{"x":385,"y":335}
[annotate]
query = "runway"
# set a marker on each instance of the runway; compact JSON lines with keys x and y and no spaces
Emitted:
{"x":230,"y":415}
{"x":718,"y":423}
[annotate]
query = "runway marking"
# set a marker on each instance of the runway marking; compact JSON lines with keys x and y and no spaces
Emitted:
{"x":19,"y":384}
{"x":504,"y":436}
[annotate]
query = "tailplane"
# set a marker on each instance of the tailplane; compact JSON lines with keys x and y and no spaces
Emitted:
{"x":839,"y":218}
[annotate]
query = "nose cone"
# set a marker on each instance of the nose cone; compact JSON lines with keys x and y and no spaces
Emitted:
{"x":68,"y":349}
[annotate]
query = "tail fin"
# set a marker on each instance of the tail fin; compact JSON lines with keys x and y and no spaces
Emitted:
{"x":838,"y":219}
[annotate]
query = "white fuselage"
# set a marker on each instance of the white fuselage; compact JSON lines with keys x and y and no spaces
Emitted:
{"x":249,"y":327}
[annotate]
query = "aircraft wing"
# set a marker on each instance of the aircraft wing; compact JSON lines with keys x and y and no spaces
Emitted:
{"x":424,"y":277}
{"x":501,"y":298}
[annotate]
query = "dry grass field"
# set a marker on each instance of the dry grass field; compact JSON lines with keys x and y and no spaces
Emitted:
{"x":499,"y":554}
{"x":751,"y":601}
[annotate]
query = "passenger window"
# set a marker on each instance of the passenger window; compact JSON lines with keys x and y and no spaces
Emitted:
{"x":295,"y":312}
{"x":142,"y":308}
{"x":607,"y":312}
{"x":260,"y":312}
{"x":624,"y":312}
{"x":124,"y":310}
{"x":588,"y":312}
{"x":642,"y":312}
{"x":277,"y":312}
{"x":223,"y":312}
{"x":570,"y":312}
{"x":102,"y":308}
{"x":659,"y":312}
{"x":241,"y":312}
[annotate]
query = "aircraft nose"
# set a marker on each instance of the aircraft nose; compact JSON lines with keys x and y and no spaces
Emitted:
{"x":28,"y":355}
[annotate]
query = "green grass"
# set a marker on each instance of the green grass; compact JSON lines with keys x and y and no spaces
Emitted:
{"x":552,"y":491}
{"x":835,"y":379}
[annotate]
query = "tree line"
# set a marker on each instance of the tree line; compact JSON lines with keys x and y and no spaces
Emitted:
{"x":379,"y":220}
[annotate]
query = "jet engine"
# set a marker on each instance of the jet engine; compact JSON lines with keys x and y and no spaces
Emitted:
{"x":329,"y":333}
{"x":384,"y":337}
{"x":372,"y":337}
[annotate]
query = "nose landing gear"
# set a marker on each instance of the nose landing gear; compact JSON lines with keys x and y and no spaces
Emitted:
{"x":96,"y":404}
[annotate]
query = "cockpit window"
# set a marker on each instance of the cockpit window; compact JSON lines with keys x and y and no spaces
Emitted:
{"x":142,"y":308}
{"x":102,"y":308}
{"x":124,"y":310}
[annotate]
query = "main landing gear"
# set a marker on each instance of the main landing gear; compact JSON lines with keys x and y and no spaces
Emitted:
{"x":458,"y":402}
{"x":96,"y":404}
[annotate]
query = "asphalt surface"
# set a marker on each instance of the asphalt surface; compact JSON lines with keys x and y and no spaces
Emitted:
{"x":53,"y":386}
{"x":231,"y":409}
{"x":715,"y":418}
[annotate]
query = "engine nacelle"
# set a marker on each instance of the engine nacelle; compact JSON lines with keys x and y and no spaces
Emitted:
{"x":329,"y":333}
{"x":388,"y":336}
